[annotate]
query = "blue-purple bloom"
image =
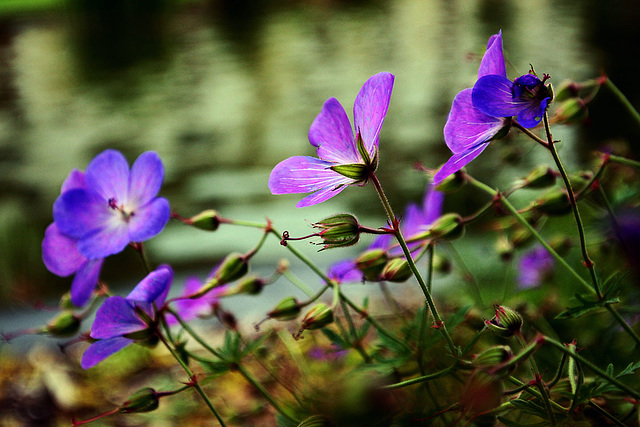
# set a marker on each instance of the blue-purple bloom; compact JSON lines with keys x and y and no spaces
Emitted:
{"x":115,"y":206}
{"x":61,"y":256}
{"x":343,"y":159}
{"x":120,"y":321}
{"x":188,"y":308}
{"x":534,"y":267}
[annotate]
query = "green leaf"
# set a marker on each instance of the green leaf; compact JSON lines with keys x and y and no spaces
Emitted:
{"x":216,"y":368}
{"x":529,"y":407}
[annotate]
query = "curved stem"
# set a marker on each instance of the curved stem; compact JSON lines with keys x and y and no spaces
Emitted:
{"x":530,"y":134}
{"x":623,"y":99}
{"x":422,"y":379}
{"x":193,"y":334}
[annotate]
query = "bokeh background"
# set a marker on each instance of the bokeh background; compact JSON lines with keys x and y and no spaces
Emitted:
{"x":223,"y":90}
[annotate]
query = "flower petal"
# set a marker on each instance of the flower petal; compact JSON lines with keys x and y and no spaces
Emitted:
{"x":432,"y":205}
{"x":493,"y":95}
{"x":371,"y":107}
{"x":331,"y":133}
{"x":145,"y":179}
{"x":154,"y":287}
{"x":75,"y":179}
{"x":458,"y":161}
{"x":466,"y":126}
{"x":493,"y":59}
{"x":80,"y":212}
{"x":303,"y":174}
{"x":100,"y":350}
{"x":320,"y":196}
{"x":345,"y":271}
{"x":531,"y":116}
{"x":85,"y":281}
{"x":111,"y":238}
{"x":108,"y":175}
{"x":116,"y":317}
{"x":60,"y":253}
{"x":149,"y":220}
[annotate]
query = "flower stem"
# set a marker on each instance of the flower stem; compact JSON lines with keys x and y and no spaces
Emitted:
{"x":193,"y":334}
{"x":422,"y":379}
{"x":624,"y":161}
{"x":623,"y":99}
{"x":403,"y":244}
{"x":530,"y":134}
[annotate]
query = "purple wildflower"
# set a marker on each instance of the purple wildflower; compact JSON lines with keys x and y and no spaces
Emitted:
{"x":116,"y":206}
{"x":61,"y":257}
{"x":343,"y":160}
{"x":468,"y":130}
{"x":189,"y":309}
{"x":345,"y":271}
{"x":120,"y":321}
{"x":534,"y":267}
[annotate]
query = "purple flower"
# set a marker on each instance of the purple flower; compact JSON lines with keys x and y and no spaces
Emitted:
{"x":468,"y":129}
{"x":345,"y":271}
{"x":534,"y":267}
{"x":120,"y":321}
{"x":189,"y":309}
{"x":116,"y":206}
{"x":61,"y":256}
{"x":343,"y":160}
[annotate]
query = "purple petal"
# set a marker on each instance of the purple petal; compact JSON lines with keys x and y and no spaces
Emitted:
{"x":60,"y":253}
{"x":145,"y":180}
{"x":154,"y":287}
{"x":370,"y":109}
{"x":493,"y":95}
{"x":345,"y":271}
{"x":110,"y":239}
{"x":531,"y":116}
{"x":466,"y":126}
{"x":458,"y":161}
{"x":432,"y":205}
{"x":413,"y":221}
{"x":80,"y":212}
{"x":303,"y":174}
{"x":533,"y":266}
{"x":149,"y":220}
{"x":108,"y":175}
{"x":189,"y":309}
{"x":85,"y":282}
{"x":383,"y":241}
{"x":331,"y":133}
{"x":493,"y":59}
{"x":116,"y":317}
{"x":320,"y":196}
{"x":100,"y":350}
{"x":75,"y":179}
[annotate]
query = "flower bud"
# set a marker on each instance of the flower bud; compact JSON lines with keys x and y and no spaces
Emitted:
{"x":338,"y":230}
{"x":566,"y":90}
{"x":318,"y":317}
{"x":452,"y":183}
{"x":63,"y":325}
{"x":233,"y":267}
{"x":448,"y":226}
{"x":371,"y":263}
{"x":206,"y":220}
{"x":571,"y":111}
{"x":65,"y":302}
{"x":520,"y":236}
{"x":492,"y":357}
{"x":144,"y":400}
{"x":251,"y":285}
{"x":396,"y":270}
{"x":540,"y":177}
{"x":580,"y":179}
{"x":287,"y":309}
{"x":554,"y":202}
{"x":505,"y":323}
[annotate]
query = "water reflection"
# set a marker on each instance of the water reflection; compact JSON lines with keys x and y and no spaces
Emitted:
{"x":223,"y":92}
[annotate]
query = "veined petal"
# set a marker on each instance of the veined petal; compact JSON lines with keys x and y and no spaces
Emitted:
{"x":60,"y":253}
{"x":458,"y":161}
{"x":149,"y":220}
{"x":80,"y":212}
{"x":493,"y":59}
{"x":108,"y":175}
{"x":320,"y":196}
{"x":493,"y":95}
{"x":531,"y":116}
{"x":75,"y":179}
{"x":303,"y":174}
{"x":111,"y":238}
{"x":154,"y":287}
{"x":84,"y":282}
{"x":371,"y":107}
{"x":466,"y":126}
{"x":116,"y":317}
{"x":331,"y":133}
{"x":100,"y":350}
{"x":145,"y":179}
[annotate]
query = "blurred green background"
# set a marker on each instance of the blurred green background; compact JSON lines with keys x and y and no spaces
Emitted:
{"x":223,"y":90}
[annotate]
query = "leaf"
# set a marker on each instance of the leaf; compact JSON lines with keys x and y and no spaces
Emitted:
{"x":216,"y":368}
{"x":529,"y":407}
{"x":335,"y":338}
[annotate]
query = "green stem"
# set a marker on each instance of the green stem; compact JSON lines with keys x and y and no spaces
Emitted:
{"x":623,"y":99}
{"x":624,"y":161}
{"x":530,"y":134}
{"x":191,"y":332}
{"x":535,"y":393}
{"x":298,"y":283}
{"x":538,"y":379}
{"x":427,"y":295}
{"x":265,"y":393}
{"x":422,"y":379}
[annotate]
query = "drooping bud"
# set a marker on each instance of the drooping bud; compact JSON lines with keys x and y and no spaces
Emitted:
{"x":144,"y":400}
{"x":63,"y":325}
{"x":338,"y":231}
{"x":580,"y":179}
{"x":492,"y":357}
{"x":252,"y":285}
{"x":554,"y":202}
{"x":233,"y":267}
{"x":505,"y":323}
{"x":319,"y":316}
{"x":540,"y":177}
{"x":571,"y":111}
{"x":287,"y":309}
{"x":449,"y":226}
{"x":208,"y":220}
{"x":371,"y":263}
{"x":566,"y":90}
{"x":452,"y":183}
{"x":441,"y":264}
{"x":396,"y":270}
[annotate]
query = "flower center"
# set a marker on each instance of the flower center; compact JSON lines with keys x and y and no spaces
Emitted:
{"x":126,"y":214}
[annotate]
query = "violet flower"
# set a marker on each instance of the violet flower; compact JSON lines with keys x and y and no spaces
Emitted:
{"x":468,"y":129}
{"x":61,"y":256}
{"x":121,"y":321}
{"x":116,"y":206}
{"x":343,"y":159}
{"x":534,"y":267}
{"x":188,"y":309}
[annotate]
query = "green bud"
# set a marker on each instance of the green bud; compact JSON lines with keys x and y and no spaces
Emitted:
{"x":371,"y":263}
{"x":505,"y":323}
{"x":571,"y":111}
{"x":144,"y":400}
{"x":63,"y":325}
{"x":540,"y":177}
{"x":554,"y":202}
{"x":251,"y":285}
{"x":448,"y":226}
{"x":338,"y":231}
{"x":580,"y":179}
{"x":492,"y":357}
{"x":233,"y":267}
{"x":287,"y":309}
{"x":206,"y":220}
{"x":396,"y":270}
{"x":356,"y":171}
{"x":452,"y":183}
{"x":520,"y":236}
{"x":566,"y":90}
{"x":65,"y":302}
{"x":561,"y":244}
{"x":318,"y":317}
